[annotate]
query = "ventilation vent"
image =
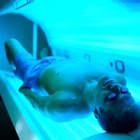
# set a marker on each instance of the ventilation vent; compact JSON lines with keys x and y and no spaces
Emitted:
{"x":21,"y":3}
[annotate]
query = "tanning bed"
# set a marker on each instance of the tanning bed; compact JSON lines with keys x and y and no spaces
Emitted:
{"x":31,"y":124}
{"x":106,"y":27}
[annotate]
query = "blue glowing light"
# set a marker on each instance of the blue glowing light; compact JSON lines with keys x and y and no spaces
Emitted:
{"x":97,"y":25}
{"x":105,"y":26}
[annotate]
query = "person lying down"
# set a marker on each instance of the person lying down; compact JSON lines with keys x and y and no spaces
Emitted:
{"x":76,"y":90}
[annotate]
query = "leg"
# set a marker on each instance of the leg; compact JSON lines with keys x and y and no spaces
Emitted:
{"x":13,"y":47}
{"x":19,"y":58}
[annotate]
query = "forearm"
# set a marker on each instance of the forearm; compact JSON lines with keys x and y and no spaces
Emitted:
{"x":33,"y":96}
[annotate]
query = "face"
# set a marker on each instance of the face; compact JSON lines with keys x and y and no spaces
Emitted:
{"x":113,"y":96}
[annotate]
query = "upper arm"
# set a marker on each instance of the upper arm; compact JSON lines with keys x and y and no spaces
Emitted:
{"x":62,"y":106}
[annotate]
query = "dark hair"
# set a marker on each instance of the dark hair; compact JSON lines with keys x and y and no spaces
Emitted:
{"x":124,"y":123}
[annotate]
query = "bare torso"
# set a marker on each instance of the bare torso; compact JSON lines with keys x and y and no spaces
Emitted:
{"x":70,"y":75}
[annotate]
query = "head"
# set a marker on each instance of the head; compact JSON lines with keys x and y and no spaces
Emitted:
{"x":115,"y":108}
{"x":122,"y":122}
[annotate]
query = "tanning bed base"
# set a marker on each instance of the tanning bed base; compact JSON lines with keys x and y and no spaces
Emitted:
{"x":30,"y":123}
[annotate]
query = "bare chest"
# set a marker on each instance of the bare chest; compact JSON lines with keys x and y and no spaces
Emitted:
{"x":66,"y":77}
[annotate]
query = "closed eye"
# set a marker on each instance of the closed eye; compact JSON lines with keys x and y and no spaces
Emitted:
{"x":108,"y":82}
{"x":124,"y":90}
{"x":112,"y":97}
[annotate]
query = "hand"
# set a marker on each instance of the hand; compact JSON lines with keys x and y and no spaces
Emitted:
{"x":24,"y":88}
{"x":27,"y":92}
